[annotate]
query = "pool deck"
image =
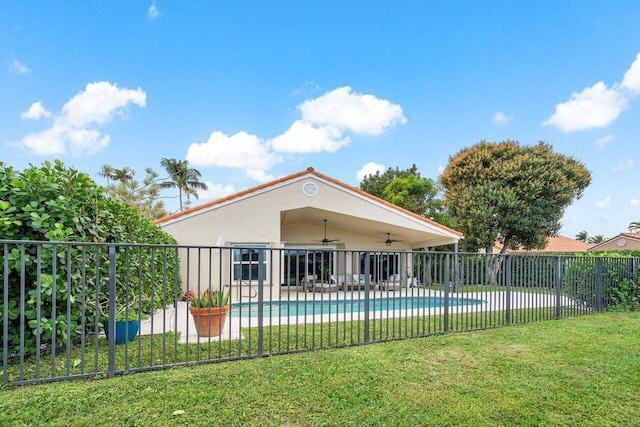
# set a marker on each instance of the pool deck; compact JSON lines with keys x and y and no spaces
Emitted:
{"x":178,"y":319}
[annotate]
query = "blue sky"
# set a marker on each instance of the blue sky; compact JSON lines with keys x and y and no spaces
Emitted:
{"x":251,"y":91}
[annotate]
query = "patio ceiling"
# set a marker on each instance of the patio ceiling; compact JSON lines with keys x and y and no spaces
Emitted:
{"x":417,"y":235}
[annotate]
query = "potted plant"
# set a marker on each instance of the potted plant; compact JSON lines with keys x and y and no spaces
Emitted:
{"x":209,"y":311}
{"x":127,"y":319}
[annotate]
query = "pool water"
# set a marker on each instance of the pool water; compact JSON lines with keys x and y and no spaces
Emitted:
{"x":317,"y":307}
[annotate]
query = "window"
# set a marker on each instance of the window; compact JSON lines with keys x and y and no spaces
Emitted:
{"x":381,"y":264}
{"x":302,"y":263}
{"x":246,"y":262}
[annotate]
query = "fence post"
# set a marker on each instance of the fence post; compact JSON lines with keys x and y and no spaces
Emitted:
{"x":508,"y":292}
{"x":261,"y":274}
{"x":446,"y":293}
{"x":558,"y":287}
{"x":598,"y":289}
{"x":367,"y":288}
{"x":111,"y":348}
{"x":5,"y":314}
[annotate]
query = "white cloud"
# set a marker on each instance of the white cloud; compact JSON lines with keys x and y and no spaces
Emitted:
{"x":595,"y":106}
{"x":99,"y":103}
{"x":35,"y":112}
{"x":369,"y":169}
{"x":598,"y":105}
{"x":605,"y":203}
{"x":604,"y":141}
{"x":345,"y":110}
{"x":631,"y":79}
{"x":303,"y":137}
{"x":321,"y":129}
{"x":326,"y":118}
{"x":239,"y":151}
{"x":634,"y":202}
{"x":153,"y":11}
{"x":19,"y":67}
{"x":73,"y":128}
{"x":215,"y":191}
{"x":500,"y":118}
{"x":623,"y":164}
{"x":45,"y":143}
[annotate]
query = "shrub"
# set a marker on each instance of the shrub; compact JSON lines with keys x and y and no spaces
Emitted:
{"x":598,"y":279}
{"x":55,"y":204}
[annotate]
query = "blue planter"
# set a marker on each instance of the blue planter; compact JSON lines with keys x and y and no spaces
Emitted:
{"x":124,"y":330}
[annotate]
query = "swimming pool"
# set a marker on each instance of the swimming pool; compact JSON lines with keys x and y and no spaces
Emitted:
{"x":318,"y":307}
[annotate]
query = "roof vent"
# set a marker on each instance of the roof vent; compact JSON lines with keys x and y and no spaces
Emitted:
{"x":310,"y":189}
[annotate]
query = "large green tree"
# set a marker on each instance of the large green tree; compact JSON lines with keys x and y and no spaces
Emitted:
{"x":512,"y":194}
{"x":405,"y":188}
{"x":184,"y":178}
{"x":376,"y":183}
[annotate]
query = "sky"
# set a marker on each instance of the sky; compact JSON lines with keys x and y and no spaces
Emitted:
{"x":252,"y":91}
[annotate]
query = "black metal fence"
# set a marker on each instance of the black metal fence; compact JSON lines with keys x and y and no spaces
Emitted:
{"x":71,"y":310}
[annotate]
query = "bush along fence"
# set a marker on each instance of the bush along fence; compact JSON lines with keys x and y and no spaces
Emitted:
{"x":73,"y":310}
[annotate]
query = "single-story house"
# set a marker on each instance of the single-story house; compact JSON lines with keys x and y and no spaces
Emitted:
{"x":623,"y":241}
{"x":309,"y":223}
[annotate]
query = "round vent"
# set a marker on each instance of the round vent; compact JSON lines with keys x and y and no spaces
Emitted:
{"x":310,"y":189}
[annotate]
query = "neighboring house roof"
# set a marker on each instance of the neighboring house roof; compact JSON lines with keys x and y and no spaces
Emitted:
{"x":555,"y":244}
{"x":619,"y":242}
{"x":310,"y":173}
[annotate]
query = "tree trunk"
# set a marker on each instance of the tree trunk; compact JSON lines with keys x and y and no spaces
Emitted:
{"x":493,"y":263}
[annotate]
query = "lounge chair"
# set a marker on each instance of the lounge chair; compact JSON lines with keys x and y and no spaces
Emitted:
{"x":396,"y":282}
{"x":313,"y":284}
{"x":350,"y":281}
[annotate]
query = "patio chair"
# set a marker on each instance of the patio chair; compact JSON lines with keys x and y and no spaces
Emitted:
{"x":360,"y":281}
{"x":312,"y":283}
{"x":393,"y":283}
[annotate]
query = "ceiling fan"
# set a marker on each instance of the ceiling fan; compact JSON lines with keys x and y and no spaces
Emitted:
{"x":389,"y":240}
{"x":326,"y":241}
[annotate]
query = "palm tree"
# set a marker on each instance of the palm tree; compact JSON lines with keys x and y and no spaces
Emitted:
{"x":582,"y":236}
{"x":106,"y":172}
{"x":634,"y":227}
{"x":596,"y":239}
{"x":123,"y":175}
{"x":184,"y":179}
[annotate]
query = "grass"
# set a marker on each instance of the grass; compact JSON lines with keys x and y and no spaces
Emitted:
{"x":577,"y":371}
{"x":163,"y":350}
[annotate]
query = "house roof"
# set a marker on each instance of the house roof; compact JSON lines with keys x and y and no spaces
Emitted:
{"x":630,"y":236}
{"x":296,"y":176}
{"x":556,"y":244}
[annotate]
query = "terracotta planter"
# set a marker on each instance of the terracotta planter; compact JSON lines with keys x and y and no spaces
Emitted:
{"x":209,"y":321}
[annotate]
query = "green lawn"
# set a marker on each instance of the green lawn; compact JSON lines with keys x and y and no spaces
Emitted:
{"x":577,"y":371}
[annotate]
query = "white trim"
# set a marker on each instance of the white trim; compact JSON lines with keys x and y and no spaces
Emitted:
{"x":239,"y":246}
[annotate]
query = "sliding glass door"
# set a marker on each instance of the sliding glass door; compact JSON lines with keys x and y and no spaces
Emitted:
{"x":300,"y":264}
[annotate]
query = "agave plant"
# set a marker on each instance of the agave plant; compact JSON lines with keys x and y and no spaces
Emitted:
{"x":210,"y":299}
